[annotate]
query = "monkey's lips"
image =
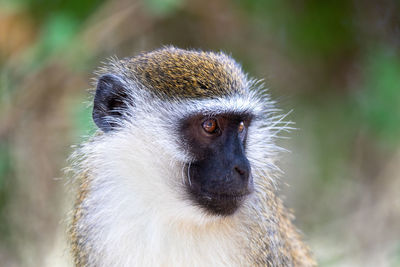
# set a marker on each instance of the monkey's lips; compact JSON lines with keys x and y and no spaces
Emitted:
{"x":232,"y":196}
{"x":220,"y":203}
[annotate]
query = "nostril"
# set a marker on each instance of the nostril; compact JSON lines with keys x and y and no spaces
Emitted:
{"x":240,"y":171}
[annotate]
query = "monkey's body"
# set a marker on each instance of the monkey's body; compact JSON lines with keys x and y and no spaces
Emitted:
{"x":142,"y":199}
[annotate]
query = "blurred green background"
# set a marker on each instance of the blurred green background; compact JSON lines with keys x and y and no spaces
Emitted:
{"x":336,"y":64}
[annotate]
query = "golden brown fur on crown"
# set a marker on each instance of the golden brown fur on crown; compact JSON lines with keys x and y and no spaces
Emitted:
{"x":172,"y":72}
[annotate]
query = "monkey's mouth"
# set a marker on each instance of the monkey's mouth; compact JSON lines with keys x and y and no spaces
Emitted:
{"x":224,"y":203}
{"x":233,"y":196}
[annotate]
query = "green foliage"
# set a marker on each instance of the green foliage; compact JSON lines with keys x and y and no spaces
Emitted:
{"x":4,"y":165}
{"x":307,"y":28}
{"x":56,"y":34}
{"x":79,"y":10}
{"x":6,"y":87}
{"x":163,"y":7}
{"x":5,"y":188}
{"x":380,"y":96}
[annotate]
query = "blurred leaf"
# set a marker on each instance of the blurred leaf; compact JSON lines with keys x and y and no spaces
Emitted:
{"x":56,"y":37}
{"x":380,"y":101}
{"x":309,"y":28}
{"x":321,"y":28}
{"x":6,"y":87}
{"x":79,"y":10}
{"x":163,"y":7}
{"x":58,"y":31}
{"x":4,"y":164}
{"x":5,"y":188}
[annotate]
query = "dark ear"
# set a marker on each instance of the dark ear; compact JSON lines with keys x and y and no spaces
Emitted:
{"x":109,"y":102}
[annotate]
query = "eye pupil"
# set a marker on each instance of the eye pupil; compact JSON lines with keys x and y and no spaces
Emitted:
{"x":210,"y":126}
{"x":241,"y":127}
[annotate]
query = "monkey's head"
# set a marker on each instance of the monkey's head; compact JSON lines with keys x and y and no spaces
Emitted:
{"x":186,"y":131}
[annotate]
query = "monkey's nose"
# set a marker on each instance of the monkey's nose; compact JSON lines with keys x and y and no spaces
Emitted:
{"x":240,"y":171}
{"x":243,"y":172}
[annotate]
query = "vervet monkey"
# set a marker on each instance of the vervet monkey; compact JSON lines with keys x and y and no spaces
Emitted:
{"x":181,"y":172}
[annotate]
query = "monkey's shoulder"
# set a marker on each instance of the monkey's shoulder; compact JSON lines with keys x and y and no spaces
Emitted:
{"x":274,"y":239}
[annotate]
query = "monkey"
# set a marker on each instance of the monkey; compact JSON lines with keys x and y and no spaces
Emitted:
{"x":182,"y":170}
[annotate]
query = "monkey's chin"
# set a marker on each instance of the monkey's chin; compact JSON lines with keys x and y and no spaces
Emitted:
{"x":221,"y":204}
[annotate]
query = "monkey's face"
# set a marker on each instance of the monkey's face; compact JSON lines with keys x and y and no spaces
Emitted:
{"x":219,"y":178}
{"x":181,"y":156}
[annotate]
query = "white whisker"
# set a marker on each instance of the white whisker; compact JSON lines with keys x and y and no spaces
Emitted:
{"x":188,"y":174}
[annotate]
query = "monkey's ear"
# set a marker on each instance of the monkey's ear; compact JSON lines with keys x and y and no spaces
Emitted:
{"x":109,"y":102}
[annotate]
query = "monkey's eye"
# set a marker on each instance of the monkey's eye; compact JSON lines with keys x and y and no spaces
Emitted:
{"x":210,"y":126}
{"x":241,"y":127}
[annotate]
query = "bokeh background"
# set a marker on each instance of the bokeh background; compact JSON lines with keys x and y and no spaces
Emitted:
{"x":336,"y":64}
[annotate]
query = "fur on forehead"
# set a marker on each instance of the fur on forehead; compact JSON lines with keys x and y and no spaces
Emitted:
{"x":253,"y":101}
{"x":171,"y":72}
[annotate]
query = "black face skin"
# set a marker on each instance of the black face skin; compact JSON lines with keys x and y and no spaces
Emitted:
{"x":219,"y":179}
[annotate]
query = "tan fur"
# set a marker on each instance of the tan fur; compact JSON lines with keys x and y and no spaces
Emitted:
{"x":291,"y":251}
{"x":77,"y":248}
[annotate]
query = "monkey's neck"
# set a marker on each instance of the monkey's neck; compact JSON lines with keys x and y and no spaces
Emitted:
{"x":119,"y":231}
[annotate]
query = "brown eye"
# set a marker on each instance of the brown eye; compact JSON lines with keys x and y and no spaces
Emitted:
{"x":241,"y":127}
{"x":210,"y":126}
